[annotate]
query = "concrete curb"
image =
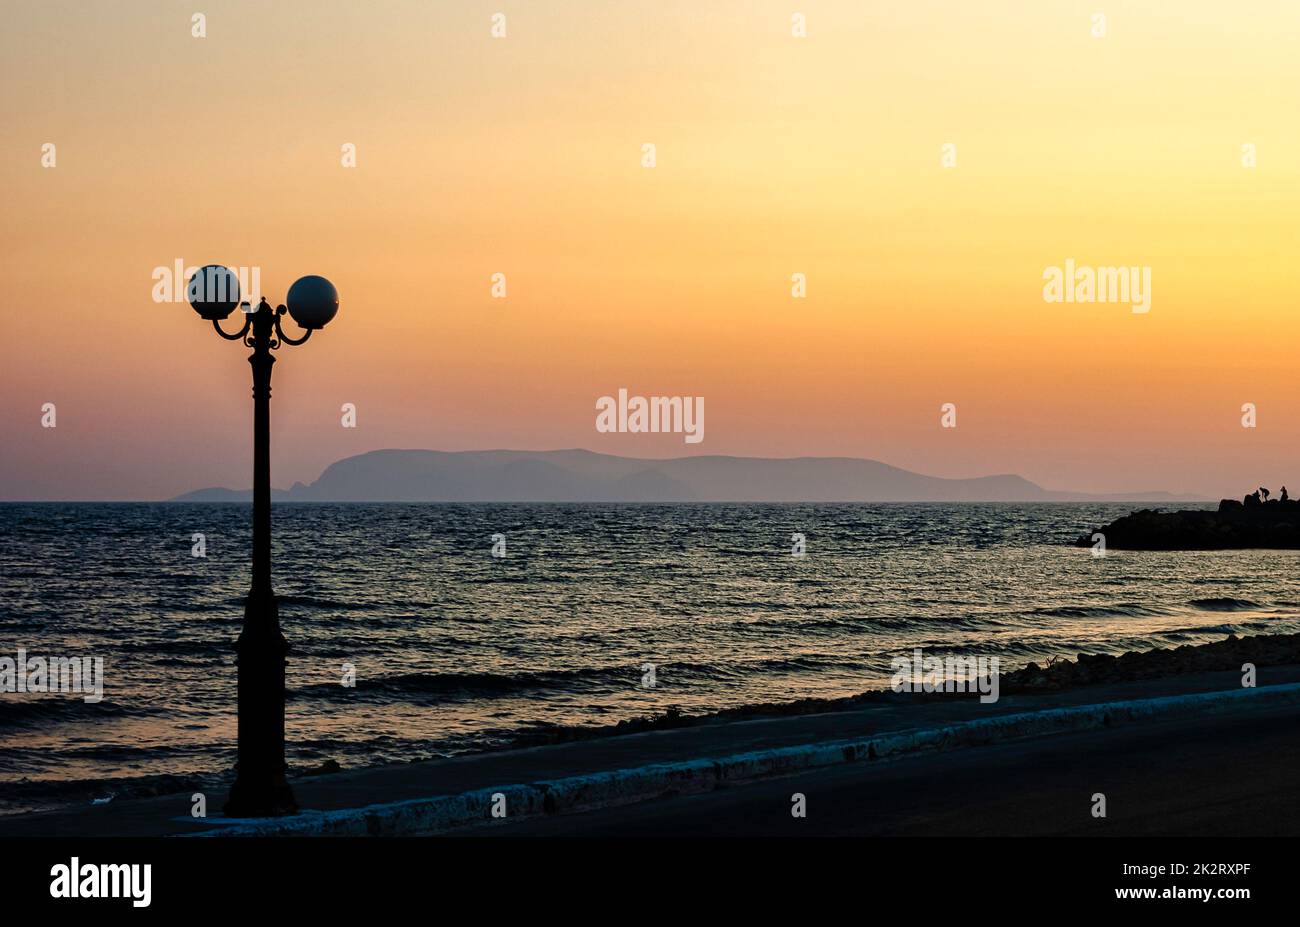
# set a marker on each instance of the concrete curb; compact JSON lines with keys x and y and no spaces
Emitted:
{"x":623,"y":786}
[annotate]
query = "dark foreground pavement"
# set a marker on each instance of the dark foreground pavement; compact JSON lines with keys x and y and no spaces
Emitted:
{"x":1225,"y":775}
{"x":1025,"y":787}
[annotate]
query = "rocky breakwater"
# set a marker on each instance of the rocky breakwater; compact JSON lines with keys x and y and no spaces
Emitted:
{"x":1234,"y":526}
{"x":1095,"y":669}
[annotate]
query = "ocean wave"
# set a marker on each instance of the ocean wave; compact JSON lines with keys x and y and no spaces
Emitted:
{"x":181,"y":646}
{"x":869,"y":623}
{"x":796,"y":626}
{"x":313,"y":602}
{"x":36,"y":710}
{"x":1207,"y":629}
{"x":1120,"y":610}
{"x":1224,"y":604}
{"x":471,"y":685}
{"x":452,"y":686}
{"x":804,"y":664}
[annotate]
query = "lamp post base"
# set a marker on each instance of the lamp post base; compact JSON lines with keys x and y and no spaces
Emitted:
{"x":260,"y":788}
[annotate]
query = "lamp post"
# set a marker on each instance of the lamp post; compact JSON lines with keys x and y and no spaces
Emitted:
{"x":261,"y":788}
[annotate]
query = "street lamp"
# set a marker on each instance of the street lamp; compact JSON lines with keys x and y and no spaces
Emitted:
{"x":261,"y":788}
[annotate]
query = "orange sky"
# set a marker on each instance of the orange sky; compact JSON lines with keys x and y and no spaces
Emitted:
{"x":776,"y":155}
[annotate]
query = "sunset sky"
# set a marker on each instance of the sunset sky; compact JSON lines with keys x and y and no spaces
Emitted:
{"x":775,"y":155}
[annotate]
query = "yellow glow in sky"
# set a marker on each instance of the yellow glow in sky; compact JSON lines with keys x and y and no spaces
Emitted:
{"x":775,"y":155}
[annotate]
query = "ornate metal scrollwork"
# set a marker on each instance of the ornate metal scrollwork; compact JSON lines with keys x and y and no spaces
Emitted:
{"x":280,"y":331}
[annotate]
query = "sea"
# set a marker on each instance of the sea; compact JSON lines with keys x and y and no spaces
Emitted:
{"x":471,"y":627}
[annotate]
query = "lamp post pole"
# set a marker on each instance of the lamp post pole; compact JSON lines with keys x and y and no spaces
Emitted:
{"x":260,"y":785}
{"x":261,"y":788}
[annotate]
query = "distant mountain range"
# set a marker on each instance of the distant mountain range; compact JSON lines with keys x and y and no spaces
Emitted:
{"x":585,"y":476}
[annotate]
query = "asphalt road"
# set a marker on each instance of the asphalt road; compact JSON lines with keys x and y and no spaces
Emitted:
{"x":1221,"y":775}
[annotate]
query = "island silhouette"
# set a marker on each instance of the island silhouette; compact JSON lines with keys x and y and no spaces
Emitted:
{"x":586,"y":476}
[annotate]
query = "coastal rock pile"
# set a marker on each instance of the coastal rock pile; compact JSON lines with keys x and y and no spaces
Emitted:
{"x":1270,"y":525}
{"x":1087,"y":670}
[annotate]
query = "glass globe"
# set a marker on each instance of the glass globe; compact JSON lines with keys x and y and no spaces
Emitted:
{"x":213,"y":291}
{"x":312,"y":301}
